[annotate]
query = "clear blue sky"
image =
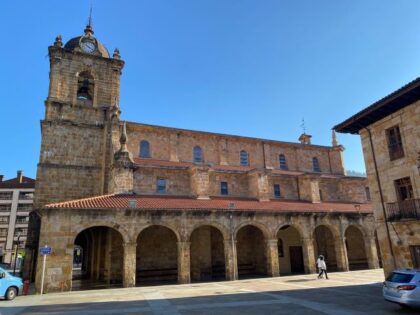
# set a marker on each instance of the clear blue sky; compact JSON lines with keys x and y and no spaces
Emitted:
{"x":252,"y":68}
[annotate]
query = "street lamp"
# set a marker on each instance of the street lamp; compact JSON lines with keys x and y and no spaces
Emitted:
{"x":16,"y":253}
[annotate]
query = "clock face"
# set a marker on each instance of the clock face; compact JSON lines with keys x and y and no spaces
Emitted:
{"x":88,"y":46}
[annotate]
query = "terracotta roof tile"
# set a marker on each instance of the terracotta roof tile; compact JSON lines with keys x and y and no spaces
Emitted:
{"x":176,"y":203}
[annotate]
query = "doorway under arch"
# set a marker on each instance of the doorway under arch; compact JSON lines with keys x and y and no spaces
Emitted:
{"x":289,"y":244}
{"x":324,"y":245}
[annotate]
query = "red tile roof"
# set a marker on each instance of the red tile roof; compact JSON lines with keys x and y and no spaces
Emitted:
{"x":121,"y":201}
{"x":26,"y":182}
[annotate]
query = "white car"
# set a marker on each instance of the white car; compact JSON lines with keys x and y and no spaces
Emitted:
{"x":403,"y":287}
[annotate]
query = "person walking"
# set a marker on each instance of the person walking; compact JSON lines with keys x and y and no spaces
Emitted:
{"x":322,"y":267}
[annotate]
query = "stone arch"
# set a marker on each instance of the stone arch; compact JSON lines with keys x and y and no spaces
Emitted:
{"x":100,"y":261}
{"x":207,"y":254}
{"x":251,"y":251}
{"x":222,"y":229}
{"x":94,"y":81}
{"x":290,"y":249}
{"x":263,"y":228}
{"x":324,"y":244}
{"x":168,"y":226}
{"x":355,"y":246}
{"x":157,"y":255}
{"x":124,"y":233}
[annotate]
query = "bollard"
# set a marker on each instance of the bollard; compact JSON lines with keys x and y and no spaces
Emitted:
{"x":25,"y":287}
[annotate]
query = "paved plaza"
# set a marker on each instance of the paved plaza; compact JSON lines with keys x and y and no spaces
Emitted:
{"x":345,"y":293}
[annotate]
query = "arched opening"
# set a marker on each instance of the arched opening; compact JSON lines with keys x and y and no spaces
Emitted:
{"x":97,"y":258}
{"x":207,"y":254}
{"x":355,"y":245}
{"x":290,"y":251}
{"x":144,"y":149}
{"x":157,"y":256}
{"x":251,"y":253}
{"x":324,"y":245}
{"x":85,"y":88}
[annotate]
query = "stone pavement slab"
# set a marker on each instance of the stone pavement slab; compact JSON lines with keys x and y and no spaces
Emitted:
{"x":346,"y":293}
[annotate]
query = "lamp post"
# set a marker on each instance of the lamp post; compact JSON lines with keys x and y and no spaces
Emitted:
{"x":16,"y":253}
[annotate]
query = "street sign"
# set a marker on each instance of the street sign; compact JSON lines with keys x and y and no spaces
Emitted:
{"x":45,"y":251}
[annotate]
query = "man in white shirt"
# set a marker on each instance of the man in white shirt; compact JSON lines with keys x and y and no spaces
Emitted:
{"x":322,"y":267}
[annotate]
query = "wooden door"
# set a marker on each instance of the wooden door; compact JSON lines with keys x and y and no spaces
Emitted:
{"x":296,"y":259}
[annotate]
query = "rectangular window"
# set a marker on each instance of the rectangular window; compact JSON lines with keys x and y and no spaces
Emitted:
{"x":24,"y":207}
{"x":415,"y":254}
{"x":6,"y":195}
{"x":367,"y":191}
{"x":22,"y":219}
{"x":4,"y":220}
{"x":3,"y":232}
{"x":277,"y":193}
{"x":223,"y":188}
{"x":161,"y":185}
{"x":21,"y":231}
{"x":5,"y":208}
{"x":26,"y":195}
{"x":395,"y":146}
{"x":403,"y":188}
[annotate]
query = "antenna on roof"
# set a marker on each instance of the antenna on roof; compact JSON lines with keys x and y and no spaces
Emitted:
{"x":303,"y":126}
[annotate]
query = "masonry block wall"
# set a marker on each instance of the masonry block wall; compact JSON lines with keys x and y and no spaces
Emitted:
{"x":403,"y":233}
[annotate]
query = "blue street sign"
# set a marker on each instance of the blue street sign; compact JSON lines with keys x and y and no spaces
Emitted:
{"x":45,"y":251}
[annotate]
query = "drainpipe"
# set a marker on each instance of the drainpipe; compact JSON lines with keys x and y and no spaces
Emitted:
{"x":382,"y":196}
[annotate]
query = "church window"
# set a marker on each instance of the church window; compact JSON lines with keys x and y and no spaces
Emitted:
{"x":282,"y":162}
{"x":85,"y":87}
{"x":197,"y":154}
{"x":161,"y":185}
{"x":243,"y":156}
{"x":144,"y":149}
{"x":277,"y":192}
{"x":315,"y":165}
{"x":224,"y":188}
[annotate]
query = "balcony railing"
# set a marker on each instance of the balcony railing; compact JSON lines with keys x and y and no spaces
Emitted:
{"x":403,"y":210}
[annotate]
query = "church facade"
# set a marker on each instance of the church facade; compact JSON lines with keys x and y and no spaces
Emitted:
{"x":125,"y":204}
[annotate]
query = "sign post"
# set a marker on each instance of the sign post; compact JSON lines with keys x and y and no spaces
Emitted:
{"x":44,"y":251}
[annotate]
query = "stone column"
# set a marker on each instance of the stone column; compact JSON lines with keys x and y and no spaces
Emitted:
{"x":272,"y":255}
{"x":341,"y":254}
{"x":184,"y":262}
{"x":309,"y":255}
{"x":371,"y":252}
{"x":129,"y":265}
{"x":231,"y":260}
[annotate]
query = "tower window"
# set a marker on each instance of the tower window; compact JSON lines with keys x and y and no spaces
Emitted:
{"x":224,"y":188}
{"x":161,"y":185}
{"x":282,"y":162}
{"x":315,"y":165}
{"x":243,"y":156}
{"x":197,"y":154}
{"x":277,"y":192}
{"x":85,"y":87}
{"x":144,"y":149}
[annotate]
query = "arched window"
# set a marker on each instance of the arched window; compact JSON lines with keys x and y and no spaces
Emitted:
{"x":144,"y":149}
{"x":315,"y":165}
{"x":243,"y":157}
{"x":282,"y":162}
{"x":85,"y":87}
{"x":197,"y":154}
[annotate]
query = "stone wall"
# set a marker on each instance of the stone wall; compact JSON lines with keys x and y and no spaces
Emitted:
{"x":402,"y":234}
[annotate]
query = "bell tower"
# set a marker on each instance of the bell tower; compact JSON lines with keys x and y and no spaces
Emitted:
{"x":80,"y":130}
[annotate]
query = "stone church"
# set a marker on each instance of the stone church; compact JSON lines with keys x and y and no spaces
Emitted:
{"x":128,"y":204}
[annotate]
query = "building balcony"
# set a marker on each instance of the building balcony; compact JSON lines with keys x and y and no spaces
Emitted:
{"x":403,"y":210}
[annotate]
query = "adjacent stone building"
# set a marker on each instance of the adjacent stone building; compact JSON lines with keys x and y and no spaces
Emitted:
{"x":16,"y":201}
{"x":390,"y":133}
{"x":124,"y":203}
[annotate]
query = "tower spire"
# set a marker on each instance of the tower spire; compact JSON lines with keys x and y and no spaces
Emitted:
{"x":89,"y":28}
